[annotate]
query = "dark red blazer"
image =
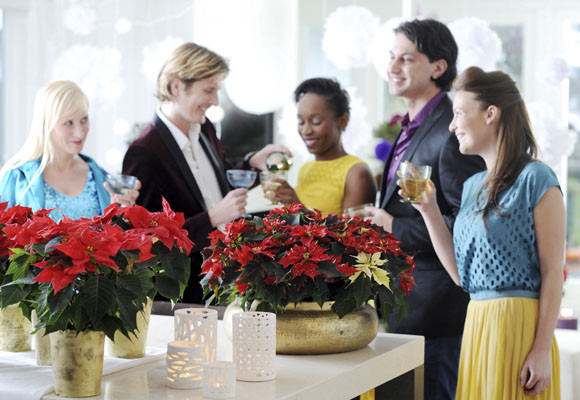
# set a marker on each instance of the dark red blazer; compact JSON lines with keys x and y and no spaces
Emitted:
{"x":156,"y":159}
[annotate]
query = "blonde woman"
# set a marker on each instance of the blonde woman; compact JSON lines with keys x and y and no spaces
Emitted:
{"x":49,"y":171}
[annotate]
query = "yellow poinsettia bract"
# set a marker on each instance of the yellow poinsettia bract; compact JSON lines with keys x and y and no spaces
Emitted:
{"x":369,"y":264}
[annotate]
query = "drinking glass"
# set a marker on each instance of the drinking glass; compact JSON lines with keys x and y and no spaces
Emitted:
{"x":414,"y":179}
{"x":119,"y":182}
{"x":241,"y":178}
{"x":267,"y":181}
{"x":357,"y":211}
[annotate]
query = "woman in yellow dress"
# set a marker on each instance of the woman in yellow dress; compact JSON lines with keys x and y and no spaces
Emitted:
{"x":334,"y":180}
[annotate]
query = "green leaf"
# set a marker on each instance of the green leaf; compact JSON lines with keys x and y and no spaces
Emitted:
{"x":127,"y":309}
{"x":20,"y":263}
{"x":168,"y":287}
{"x":329,"y":269}
{"x":343,"y":306}
{"x":110,"y":325}
{"x":60,"y":321}
{"x":132,"y":283}
{"x":98,"y":297}
{"x":58,"y":301}
{"x":176,"y":266}
{"x":11,"y":295}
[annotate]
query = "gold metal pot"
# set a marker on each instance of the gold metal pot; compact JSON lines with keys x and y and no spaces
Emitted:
{"x":137,"y":344}
{"x":77,"y":362}
{"x":14,"y":329}
{"x":309,"y":329}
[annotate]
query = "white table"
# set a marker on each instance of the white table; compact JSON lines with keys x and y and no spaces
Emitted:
{"x":569,"y":344}
{"x":333,"y":376}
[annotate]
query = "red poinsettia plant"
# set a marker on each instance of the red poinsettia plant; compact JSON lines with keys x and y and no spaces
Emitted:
{"x":295,"y":254}
{"x":95,"y":273}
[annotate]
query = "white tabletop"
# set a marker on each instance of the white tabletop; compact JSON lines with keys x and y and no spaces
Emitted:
{"x":332,"y":376}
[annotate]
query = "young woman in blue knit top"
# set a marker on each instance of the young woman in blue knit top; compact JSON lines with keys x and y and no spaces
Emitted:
{"x":507,"y":246}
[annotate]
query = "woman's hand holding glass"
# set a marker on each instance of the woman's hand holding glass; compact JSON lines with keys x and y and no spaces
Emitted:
{"x":126,"y":196}
{"x":276,"y":188}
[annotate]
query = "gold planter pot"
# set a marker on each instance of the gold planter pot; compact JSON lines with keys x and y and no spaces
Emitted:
{"x":308,"y":329}
{"x":77,"y":362}
{"x":14,"y":329}
{"x":41,"y":344}
{"x":136,"y":346}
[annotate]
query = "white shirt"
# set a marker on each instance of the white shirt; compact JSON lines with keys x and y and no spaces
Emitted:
{"x":197,"y":160}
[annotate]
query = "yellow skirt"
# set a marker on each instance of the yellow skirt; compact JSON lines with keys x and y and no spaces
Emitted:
{"x":498,"y":336}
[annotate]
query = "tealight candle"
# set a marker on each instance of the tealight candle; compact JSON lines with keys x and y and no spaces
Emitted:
{"x":219,"y":380}
{"x":254,"y":345}
{"x":567,"y":320}
{"x":185,"y":364}
{"x":198,"y":325}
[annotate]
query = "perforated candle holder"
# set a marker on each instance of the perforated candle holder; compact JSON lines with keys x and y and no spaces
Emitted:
{"x":254,"y":345}
{"x":198,"y":325}
{"x":185,"y":364}
{"x":219,"y":380}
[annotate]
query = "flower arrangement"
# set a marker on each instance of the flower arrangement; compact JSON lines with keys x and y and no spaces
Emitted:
{"x":95,"y":274}
{"x":295,"y":254}
{"x":388,"y":131}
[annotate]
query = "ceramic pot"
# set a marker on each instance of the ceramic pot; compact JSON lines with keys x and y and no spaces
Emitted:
{"x":41,"y":344}
{"x":14,"y":329}
{"x":135,"y":347}
{"x":77,"y":362}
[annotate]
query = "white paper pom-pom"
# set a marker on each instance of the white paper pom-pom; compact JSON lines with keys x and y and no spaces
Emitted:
{"x":478,"y":44}
{"x":259,"y":81}
{"x":95,"y":70}
{"x":554,"y":139}
{"x":155,"y":55}
{"x":79,"y":19}
{"x":554,"y":71}
{"x":382,"y":44}
{"x":348,"y":34}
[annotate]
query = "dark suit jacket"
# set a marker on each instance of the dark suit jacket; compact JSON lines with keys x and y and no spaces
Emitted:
{"x":156,"y":159}
{"x":437,"y":306}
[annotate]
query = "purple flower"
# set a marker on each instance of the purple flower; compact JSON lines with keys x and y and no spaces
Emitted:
{"x":383,"y":149}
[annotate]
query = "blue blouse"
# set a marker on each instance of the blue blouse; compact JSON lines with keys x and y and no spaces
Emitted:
{"x":502,"y":260}
{"x":85,"y":205}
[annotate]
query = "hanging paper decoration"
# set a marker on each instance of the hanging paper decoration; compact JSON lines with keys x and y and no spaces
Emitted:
{"x":123,"y":25}
{"x":382,"y":43}
{"x":95,"y":70}
{"x":259,"y":81}
{"x":554,"y":71}
{"x":348,"y":34}
{"x":155,"y":54}
{"x":80,"y":19}
{"x":554,"y":139}
{"x":478,"y":44}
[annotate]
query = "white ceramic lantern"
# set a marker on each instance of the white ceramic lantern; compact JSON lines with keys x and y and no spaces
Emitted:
{"x":198,"y":325}
{"x":254,"y":345}
{"x":219,"y":380}
{"x":185,"y":364}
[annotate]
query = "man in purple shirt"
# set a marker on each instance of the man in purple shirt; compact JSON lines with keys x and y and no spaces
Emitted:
{"x":421,"y":70}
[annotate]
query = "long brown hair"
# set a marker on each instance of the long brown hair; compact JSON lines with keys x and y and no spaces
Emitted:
{"x":516,"y":143}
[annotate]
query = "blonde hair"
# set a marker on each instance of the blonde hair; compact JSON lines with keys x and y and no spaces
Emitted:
{"x":189,"y":63}
{"x":55,"y":100}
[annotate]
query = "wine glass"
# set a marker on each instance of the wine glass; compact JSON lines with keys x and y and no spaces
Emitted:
{"x":119,"y":183}
{"x":241,"y":178}
{"x":414,"y":179}
{"x":267,"y":181}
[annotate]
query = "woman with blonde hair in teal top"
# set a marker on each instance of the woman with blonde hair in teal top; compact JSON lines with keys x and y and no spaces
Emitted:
{"x":49,"y":170}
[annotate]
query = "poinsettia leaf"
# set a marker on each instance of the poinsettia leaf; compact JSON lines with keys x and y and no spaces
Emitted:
{"x":336,"y":249}
{"x":80,"y":318}
{"x":176,"y":265}
{"x":98,"y":296}
{"x":253,"y":236}
{"x":60,"y":321}
{"x":230,"y":276}
{"x":145,"y":275}
{"x":291,"y":219}
{"x":386,"y":302}
{"x":57,"y":302}
{"x":110,"y":325}
{"x":49,"y":246}
{"x":20,"y":264}
{"x":168,"y":287}
{"x":130,"y":282}
{"x":127,"y":309}
{"x":11,"y":294}
{"x":344,"y":305}
{"x":329,"y":269}
{"x":361,"y":289}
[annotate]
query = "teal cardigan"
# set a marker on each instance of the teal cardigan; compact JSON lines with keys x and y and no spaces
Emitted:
{"x":15,"y":182}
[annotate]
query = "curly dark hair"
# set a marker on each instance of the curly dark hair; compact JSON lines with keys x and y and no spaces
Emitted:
{"x":336,"y":97}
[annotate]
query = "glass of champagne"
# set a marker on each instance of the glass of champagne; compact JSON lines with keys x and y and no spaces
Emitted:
{"x":268,"y":184}
{"x":414,"y":179}
{"x":241,"y":178}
